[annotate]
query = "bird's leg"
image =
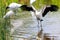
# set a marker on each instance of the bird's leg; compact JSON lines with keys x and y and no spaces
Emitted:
{"x":42,"y":35}
{"x":38,"y":25}
{"x":41,"y":24}
{"x":40,"y":31}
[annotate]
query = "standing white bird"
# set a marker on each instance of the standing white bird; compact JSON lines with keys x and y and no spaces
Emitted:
{"x":44,"y":10}
{"x":13,"y":6}
{"x":40,"y":14}
{"x":8,"y":14}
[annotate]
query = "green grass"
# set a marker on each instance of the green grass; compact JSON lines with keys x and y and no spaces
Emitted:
{"x":4,"y":23}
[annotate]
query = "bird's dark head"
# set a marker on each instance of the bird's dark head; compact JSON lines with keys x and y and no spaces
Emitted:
{"x":7,"y":7}
{"x":54,"y":8}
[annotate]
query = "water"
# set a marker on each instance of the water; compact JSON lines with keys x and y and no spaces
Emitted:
{"x":51,"y":25}
{"x":24,"y":28}
{"x":28,"y":28}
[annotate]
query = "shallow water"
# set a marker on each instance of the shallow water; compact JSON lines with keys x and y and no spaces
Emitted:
{"x":28,"y":27}
{"x":24,"y":28}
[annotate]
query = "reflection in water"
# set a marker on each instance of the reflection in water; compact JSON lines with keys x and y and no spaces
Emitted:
{"x":27,"y":27}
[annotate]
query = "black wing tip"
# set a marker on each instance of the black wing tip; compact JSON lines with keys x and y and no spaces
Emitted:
{"x":54,"y":8}
{"x":27,"y":8}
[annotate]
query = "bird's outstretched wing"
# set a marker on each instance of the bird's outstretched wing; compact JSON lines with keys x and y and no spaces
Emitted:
{"x":51,"y":8}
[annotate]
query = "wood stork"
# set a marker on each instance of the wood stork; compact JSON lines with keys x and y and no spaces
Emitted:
{"x":39,"y":15}
{"x":13,"y":6}
{"x":43,"y":11}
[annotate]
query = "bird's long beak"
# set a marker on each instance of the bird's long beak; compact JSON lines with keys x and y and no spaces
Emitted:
{"x":7,"y":7}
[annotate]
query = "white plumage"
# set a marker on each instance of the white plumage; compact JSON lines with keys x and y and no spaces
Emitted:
{"x":14,"y":6}
{"x":12,"y":9}
{"x":8,"y":14}
{"x":38,"y":14}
